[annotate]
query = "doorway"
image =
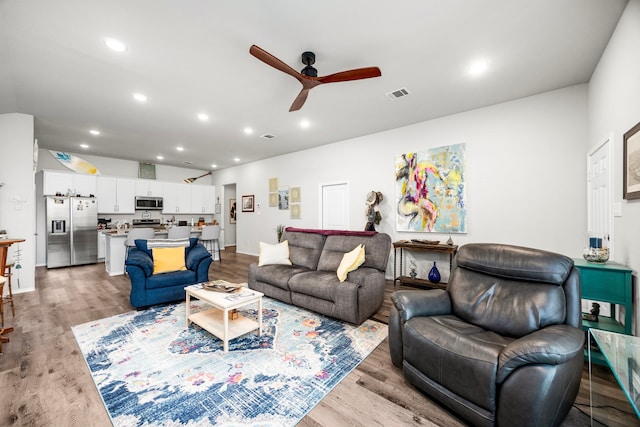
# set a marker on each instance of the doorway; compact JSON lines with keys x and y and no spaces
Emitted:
{"x":334,"y":206}
{"x":228,"y":215}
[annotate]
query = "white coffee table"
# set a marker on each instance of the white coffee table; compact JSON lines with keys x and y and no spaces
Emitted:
{"x":216,"y":320}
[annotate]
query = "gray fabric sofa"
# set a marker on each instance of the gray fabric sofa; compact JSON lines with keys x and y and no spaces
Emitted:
{"x":503,"y":344}
{"x":311,"y":281}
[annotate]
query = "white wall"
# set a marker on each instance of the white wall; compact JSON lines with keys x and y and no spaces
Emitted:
{"x":525,"y":175}
{"x":16,"y":172}
{"x":614,"y":107}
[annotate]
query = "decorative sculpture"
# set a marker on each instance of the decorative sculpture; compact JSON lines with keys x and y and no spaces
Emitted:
{"x":595,"y":312}
{"x":373,"y":211}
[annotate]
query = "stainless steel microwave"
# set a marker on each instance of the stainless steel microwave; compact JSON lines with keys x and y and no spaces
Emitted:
{"x":148,"y":203}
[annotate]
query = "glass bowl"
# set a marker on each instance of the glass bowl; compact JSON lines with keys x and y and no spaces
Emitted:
{"x":596,"y":254}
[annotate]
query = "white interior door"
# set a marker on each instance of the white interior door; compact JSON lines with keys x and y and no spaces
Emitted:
{"x":599,"y":187}
{"x":599,"y":201}
{"x":335,"y":206}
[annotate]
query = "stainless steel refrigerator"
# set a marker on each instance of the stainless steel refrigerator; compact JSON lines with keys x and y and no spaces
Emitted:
{"x":72,"y":237}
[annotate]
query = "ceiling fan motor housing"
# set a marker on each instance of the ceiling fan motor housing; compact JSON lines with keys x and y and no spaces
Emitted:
{"x":308,"y":59}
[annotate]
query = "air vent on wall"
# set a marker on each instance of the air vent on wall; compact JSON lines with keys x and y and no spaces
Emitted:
{"x":267,"y":136}
{"x":399,"y":93}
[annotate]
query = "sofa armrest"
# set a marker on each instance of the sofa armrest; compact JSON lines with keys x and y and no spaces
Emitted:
{"x":195,"y":256}
{"x":140,"y":259}
{"x":553,"y":345}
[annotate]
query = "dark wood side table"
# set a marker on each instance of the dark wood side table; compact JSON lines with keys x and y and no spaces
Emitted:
{"x":407,"y":245}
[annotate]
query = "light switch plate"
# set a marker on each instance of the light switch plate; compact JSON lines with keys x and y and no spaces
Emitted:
{"x":617,"y":209}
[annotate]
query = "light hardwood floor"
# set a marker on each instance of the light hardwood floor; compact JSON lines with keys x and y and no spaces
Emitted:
{"x":44,"y":380}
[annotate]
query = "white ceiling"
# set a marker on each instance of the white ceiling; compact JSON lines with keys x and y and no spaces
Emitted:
{"x":193,"y":56}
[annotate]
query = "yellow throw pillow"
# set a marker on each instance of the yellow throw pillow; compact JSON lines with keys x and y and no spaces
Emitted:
{"x":168,"y":259}
{"x":350,"y":262}
{"x":274,"y":254}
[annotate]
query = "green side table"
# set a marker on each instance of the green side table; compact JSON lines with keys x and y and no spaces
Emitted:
{"x":610,"y":283}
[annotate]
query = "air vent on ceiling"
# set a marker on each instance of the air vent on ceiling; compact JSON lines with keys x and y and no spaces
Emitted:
{"x":399,"y":93}
{"x":267,"y":136}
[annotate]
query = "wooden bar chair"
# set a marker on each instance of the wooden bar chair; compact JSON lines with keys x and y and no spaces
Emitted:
{"x":9,"y":298}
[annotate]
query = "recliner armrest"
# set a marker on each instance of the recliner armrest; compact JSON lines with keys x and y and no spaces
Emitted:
{"x":553,"y":345}
{"x":140,"y":259}
{"x":421,"y":303}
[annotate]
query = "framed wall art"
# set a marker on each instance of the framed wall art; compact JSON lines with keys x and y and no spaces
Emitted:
{"x":430,"y":190}
{"x":283,"y":198}
{"x":294,"y":195}
{"x":247,"y":203}
{"x":273,"y":200}
{"x":631,"y":164}
{"x":232,"y":211}
{"x":273,"y":185}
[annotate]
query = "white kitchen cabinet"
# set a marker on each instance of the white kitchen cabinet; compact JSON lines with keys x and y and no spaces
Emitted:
{"x":102,"y":244}
{"x":149,"y":187}
{"x":55,"y":182}
{"x":203,"y":199}
{"x":116,"y":195}
{"x":177,"y":198}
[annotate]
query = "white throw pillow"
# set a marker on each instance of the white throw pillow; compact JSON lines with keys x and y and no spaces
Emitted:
{"x":350,"y":262}
{"x":274,"y":254}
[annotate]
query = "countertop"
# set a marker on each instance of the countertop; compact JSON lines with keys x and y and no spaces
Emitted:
{"x":158,"y":232}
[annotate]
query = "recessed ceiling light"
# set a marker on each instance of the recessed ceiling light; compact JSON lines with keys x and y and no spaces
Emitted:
{"x":94,"y":132}
{"x":214,"y":166}
{"x":84,"y":145}
{"x":203,"y":117}
{"x":140,"y":97}
{"x":248,"y":130}
{"x":478,"y":67}
{"x":236,"y":159}
{"x":179,"y":148}
{"x":160,"y":157}
{"x":304,"y":124}
{"x":115,"y":44}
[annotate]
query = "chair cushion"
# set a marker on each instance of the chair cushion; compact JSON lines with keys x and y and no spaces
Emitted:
{"x":462,"y":357}
{"x":173,"y":279}
{"x":277,"y":275}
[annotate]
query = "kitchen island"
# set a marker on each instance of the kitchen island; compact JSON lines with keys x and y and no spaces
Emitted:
{"x":115,"y":249}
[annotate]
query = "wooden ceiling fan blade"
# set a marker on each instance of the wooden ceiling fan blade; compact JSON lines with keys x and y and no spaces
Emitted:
{"x":300,"y":99}
{"x":357,"y":74}
{"x":271,"y":60}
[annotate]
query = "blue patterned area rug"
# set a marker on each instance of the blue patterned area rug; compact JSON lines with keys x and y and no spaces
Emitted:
{"x":151,"y":371}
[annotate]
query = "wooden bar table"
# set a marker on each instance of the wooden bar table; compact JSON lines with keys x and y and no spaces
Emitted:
{"x":4,"y":248}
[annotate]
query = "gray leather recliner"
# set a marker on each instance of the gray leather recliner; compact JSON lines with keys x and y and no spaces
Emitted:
{"x":503,"y":344}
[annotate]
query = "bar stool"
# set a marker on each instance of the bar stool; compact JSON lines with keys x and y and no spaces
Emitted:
{"x":179,"y":232}
{"x":210,"y":239}
{"x":133,"y":235}
{"x":9,"y":298}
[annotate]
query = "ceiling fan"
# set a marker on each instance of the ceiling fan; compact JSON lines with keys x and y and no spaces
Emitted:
{"x":308,"y":77}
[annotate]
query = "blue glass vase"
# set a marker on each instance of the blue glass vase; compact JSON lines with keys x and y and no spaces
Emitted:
{"x":434,"y":274}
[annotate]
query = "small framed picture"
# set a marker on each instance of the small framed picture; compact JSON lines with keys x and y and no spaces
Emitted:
{"x":247,"y":203}
{"x":273,"y":200}
{"x":631,"y":167}
{"x":232,"y":211}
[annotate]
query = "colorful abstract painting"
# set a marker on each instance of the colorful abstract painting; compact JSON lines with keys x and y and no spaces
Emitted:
{"x":430,"y":190}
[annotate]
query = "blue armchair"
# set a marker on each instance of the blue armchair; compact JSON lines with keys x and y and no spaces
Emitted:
{"x":149,"y":289}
